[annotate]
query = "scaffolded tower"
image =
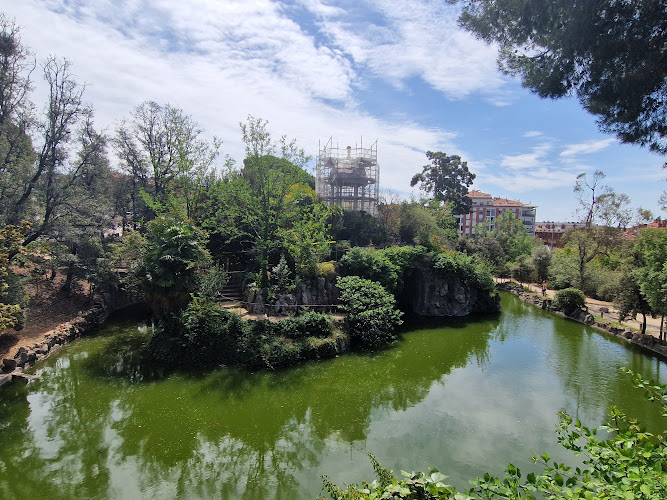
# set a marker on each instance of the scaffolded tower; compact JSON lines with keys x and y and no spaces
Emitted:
{"x":349,"y":178}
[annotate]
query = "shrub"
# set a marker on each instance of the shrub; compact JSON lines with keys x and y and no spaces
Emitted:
{"x":326,"y":269}
{"x":281,"y":351}
{"x":455,"y":264}
{"x":404,"y":257}
{"x":310,"y":324}
{"x":371,"y":311}
{"x":569,"y":299}
{"x":371,"y":265}
{"x":317,"y":348}
{"x":210,"y":334}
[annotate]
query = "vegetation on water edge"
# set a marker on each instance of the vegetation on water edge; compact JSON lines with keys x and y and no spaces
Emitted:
{"x":630,"y":464}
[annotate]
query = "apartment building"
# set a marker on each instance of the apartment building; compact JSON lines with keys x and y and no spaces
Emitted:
{"x":485,"y":209}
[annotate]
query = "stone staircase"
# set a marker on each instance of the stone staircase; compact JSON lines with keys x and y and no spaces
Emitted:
{"x":232,"y":293}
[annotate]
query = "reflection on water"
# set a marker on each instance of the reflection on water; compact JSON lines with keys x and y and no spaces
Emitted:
{"x":466,"y":397}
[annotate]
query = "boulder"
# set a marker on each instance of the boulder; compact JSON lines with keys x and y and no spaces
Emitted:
{"x":42,"y":348}
{"x":9,"y":364}
{"x":283,"y":303}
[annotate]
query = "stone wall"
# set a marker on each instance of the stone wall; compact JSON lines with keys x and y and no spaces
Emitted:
{"x":320,"y":293}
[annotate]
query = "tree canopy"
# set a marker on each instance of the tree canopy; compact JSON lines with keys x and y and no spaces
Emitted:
{"x":610,"y":54}
{"x":448,"y":178}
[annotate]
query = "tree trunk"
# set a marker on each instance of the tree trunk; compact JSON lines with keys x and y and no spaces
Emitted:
{"x":644,"y":324}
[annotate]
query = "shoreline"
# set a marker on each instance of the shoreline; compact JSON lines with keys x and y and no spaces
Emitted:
{"x":648,"y":343}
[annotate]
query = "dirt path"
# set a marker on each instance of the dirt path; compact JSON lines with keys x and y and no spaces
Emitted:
{"x":48,"y":308}
{"x":595,"y":306}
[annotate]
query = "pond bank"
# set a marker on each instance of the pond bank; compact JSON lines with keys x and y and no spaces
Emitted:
{"x":649,"y":343}
{"x":52,"y":340}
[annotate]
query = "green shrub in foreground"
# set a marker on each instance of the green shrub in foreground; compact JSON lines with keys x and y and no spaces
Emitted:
{"x":630,"y":464}
{"x":371,"y":311}
{"x":569,"y":300}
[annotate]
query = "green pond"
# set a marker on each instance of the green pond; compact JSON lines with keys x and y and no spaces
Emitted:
{"x":466,"y":396}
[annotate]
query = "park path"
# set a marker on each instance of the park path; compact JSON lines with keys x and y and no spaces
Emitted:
{"x":595,"y":306}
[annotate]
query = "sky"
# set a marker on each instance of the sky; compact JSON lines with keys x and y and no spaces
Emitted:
{"x":399,"y":72}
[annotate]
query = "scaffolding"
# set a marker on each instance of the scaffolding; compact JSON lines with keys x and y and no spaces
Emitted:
{"x":349,"y":178}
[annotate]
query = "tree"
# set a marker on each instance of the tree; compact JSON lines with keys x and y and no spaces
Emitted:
{"x":11,"y":313}
{"x":270,"y":178}
{"x":651,"y":275}
{"x":175,"y":251}
{"x":448,"y":178}
{"x":69,"y":166}
{"x":541,"y":259}
{"x":16,"y":116}
{"x":513,"y":235}
{"x":630,"y":300}
{"x":164,"y":143}
{"x":610,"y":54}
{"x":604,"y":213}
{"x":304,"y":231}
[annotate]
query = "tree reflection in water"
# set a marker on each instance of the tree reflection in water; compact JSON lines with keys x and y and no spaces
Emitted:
{"x":104,"y":423}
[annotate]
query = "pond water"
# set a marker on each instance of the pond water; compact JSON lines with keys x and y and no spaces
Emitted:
{"x":466,"y":396}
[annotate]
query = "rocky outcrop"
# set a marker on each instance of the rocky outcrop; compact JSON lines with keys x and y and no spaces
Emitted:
{"x":318,"y":295}
{"x":320,"y":292}
{"x":428,"y":294}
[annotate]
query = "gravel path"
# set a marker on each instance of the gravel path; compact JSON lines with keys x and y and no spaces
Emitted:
{"x":595,"y":306}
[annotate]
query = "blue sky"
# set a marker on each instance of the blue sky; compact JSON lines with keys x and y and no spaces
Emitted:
{"x":397,"y":71}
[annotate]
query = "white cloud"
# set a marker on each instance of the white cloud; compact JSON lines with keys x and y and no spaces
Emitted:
{"x":420,"y":39}
{"x":320,"y":8}
{"x":240,"y":58}
{"x":585,"y":148}
{"x":532,"y":171}
{"x":533,"y":133}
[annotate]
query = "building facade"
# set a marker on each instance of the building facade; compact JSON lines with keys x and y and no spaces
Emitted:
{"x":485,"y":209}
{"x":552,"y":233}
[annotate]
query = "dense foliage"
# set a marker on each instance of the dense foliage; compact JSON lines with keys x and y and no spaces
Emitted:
{"x":569,"y":300}
{"x":627,"y":463}
{"x":370,"y":310}
{"x":205,"y":334}
{"x":371,"y":265}
{"x":465,"y":268}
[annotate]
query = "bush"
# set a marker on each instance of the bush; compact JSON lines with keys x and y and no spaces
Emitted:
{"x":326,"y":269}
{"x":310,"y":324}
{"x":317,"y":348}
{"x":281,"y":351}
{"x":371,"y":265}
{"x":371,"y":311}
{"x":210,"y":334}
{"x":455,"y":264}
{"x":569,"y":300}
